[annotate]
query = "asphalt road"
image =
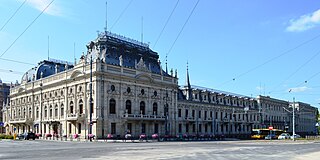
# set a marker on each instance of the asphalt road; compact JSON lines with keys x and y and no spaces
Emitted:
{"x":218,"y":150}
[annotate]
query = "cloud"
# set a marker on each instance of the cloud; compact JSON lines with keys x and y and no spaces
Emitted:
{"x":298,"y":89}
{"x":305,"y":22}
{"x":54,"y":9}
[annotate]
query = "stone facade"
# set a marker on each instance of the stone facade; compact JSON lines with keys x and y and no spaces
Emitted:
{"x":131,"y":91}
{"x":4,"y":93}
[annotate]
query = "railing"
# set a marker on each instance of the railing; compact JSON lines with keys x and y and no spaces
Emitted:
{"x":144,"y":116}
{"x":75,"y":116}
{"x":18,"y":120}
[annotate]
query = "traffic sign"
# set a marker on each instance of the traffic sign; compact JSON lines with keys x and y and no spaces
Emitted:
{"x":270,"y":128}
{"x":1,"y":124}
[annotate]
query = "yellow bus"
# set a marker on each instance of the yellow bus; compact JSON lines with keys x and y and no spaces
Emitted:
{"x":262,"y":133}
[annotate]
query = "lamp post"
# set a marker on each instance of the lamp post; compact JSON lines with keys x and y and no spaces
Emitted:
{"x":293,"y":118}
{"x":90,"y":101}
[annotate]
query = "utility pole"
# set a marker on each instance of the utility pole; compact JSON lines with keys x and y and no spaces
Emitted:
{"x":91,"y":104}
{"x":293,"y":123}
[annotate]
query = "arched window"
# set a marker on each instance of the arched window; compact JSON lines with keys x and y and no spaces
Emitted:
{"x":80,"y":106}
{"x":62,"y":110}
{"x":166,"y":109}
{"x":56,"y":111}
{"x":71,"y":107}
{"x":128,"y":107}
{"x":45,"y":111}
{"x":142,"y":107}
{"x":112,"y":105}
{"x":30,"y":113}
{"x":37,"y":113}
{"x":24,"y":112}
{"x":50,"y":111}
{"x":155,"y":108}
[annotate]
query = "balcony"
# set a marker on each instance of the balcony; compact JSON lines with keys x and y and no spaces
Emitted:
{"x":75,"y":117}
{"x":21,"y":121}
{"x":143,"y":117}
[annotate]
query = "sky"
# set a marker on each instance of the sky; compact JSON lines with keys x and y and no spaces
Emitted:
{"x":251,"y":47}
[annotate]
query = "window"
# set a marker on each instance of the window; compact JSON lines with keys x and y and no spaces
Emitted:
{"x":193,"y":113}
{"x":199,"y":115}
{"x":56,"y":111}
{"x":187,"y":128}
{"x":128,"y":107}
{"x":37,"y":114}
{"x":50,"y":111}
{"x":71,"y":107}
{"x":205,"y":114}
{"x":193,"y":128}
{"x":180,"y":127}
{"x":155,"y":108}
{"x":79,"y":128}
{"x":206,"y":127}
{"x":129,"y":127}
{"x":155,"y":93}
{"x":179,"y":112}
{"x":196,"y":96}
{"x":70,"y":128}
{"x":156,"y":128}
{"x":142,"y":107}
{"x":81,"y":106}
{"x":45,"y":111}
{"x":113,"y":88}
{"x":112,"y":105}
{"x":187,"y":113}
{"x":166,"y":109}
{"x":142,"y":91}
{"x":113,"y":128}
{"x":128,"y":90}
{"x":62,"y":110}
{"x":200,"y":128}
{"x":143,"y":128}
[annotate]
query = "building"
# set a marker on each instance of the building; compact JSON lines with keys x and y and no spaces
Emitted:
{"x":4,"y":92}
{"x":131,"y":91}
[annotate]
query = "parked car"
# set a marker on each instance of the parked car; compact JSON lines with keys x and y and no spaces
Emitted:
{"x":20,"y":136}
{"x":284,"y":136}
{"x":30,"y":135}
{"x":270,"y":136}
{"x":295,"y":136}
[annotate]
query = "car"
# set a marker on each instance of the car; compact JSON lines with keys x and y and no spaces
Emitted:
{"x":284,"y":136}
{"x":270,"y":136}
{"x":295,"y":136}
{"x":30,"y":135}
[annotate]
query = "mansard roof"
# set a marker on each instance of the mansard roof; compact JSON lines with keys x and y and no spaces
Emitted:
{"x":119,"y":50}
{"x":44,"y":69}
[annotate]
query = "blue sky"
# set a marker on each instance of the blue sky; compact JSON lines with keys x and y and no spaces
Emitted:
{"x":246,"y":47}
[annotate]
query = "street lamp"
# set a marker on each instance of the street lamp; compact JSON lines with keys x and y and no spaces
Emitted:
{"x":293,"y":118}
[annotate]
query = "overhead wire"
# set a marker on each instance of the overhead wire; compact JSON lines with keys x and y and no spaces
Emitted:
{"x":13,"y":15}
{"x":27,"y":28}
{"x":185,"y":23}
{"x":270,"y":60}
{"x":123,"y":11}
{"x":298,"y":69}
{"x":10,"y":60}
{"x":165,"y":25}
{"x":11,"y":71}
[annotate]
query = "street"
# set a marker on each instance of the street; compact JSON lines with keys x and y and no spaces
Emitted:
{"x":262,"y":150}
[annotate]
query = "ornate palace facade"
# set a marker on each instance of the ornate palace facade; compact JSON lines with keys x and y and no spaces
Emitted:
{"x":131,"y":91}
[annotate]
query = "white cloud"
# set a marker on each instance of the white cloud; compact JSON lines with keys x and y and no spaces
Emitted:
{"x":298,"y":89}
{"x":54,"y":9}
{"x":305,"y":22}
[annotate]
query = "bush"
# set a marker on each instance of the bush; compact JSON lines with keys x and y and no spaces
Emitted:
{"x":8,"y":137}
{"x":3,"y":136}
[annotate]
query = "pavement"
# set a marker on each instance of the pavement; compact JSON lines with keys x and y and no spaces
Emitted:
{"x":195,"y":150}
